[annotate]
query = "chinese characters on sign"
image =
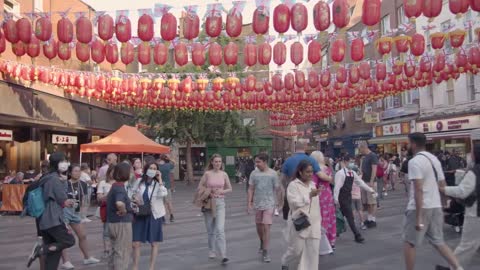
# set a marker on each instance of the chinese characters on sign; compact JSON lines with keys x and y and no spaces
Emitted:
{"x":63,"y":139}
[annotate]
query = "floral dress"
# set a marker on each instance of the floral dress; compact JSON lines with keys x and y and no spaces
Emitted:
{"x":327,"y":207}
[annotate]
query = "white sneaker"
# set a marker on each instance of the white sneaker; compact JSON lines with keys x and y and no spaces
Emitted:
{"x":212,"y":255}
{"x":67,"y":265}
{"x":86,"y":220}
{"x":91,"y":260}
{"x":276,"y":212}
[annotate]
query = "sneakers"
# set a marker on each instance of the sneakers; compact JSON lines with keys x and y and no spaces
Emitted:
{"x":172,"y":219}
{"x":86,"y":220}
{"x":212,"y":255}
{"x":440,"y":267}
{"x":36,"y":252}
{"x":106,"y":254}
{"x":67,"y":265}
{"x":225,"y":261}
{"x":276,"y":213}
{"x":266,"y":258}
{"x":370,"y":224}
{"x":284,"y":267}
{"x":359,"y":239}
{"x":385,"y":194}
{"x":363,"y":227}
{"x":91,"y":260}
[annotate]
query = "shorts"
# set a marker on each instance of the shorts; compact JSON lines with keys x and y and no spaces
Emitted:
{"x":70,"y":216}
{"x":367,"y":197}
{"x":357,"y":205}
{"x":264,"y":217}
{"x":106,"y":232}
{"x":433,"y":230}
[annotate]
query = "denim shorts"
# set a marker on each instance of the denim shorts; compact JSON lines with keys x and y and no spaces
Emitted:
{"x":106,"y":232}
{"x":70,"y":216}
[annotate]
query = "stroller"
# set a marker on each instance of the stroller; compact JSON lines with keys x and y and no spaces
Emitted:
{"x":454,"y":215}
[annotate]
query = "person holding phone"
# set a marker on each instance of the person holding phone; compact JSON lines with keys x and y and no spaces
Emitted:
{"x":342,"y":193}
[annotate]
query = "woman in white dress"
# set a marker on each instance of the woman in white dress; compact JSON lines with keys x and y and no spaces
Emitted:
{"x":303,"y":245}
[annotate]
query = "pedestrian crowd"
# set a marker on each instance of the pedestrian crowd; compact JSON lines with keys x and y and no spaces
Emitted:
{"x":316,"y":196}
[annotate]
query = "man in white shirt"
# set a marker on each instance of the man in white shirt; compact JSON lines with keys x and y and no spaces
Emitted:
{"x":424,"y":216}
{"x":102,"y":172}
{"x":342,"y":193}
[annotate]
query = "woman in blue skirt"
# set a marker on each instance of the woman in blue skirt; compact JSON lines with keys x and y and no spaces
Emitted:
{"x":147,"y":224}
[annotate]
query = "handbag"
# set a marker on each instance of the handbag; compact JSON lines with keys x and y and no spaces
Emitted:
{"x":146,"y":209}
{"x":302,"y":222}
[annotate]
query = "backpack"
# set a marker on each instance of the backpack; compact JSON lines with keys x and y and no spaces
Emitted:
{"x":33,"y":201}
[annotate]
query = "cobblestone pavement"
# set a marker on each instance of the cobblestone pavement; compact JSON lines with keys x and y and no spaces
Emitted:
{"x":185,"y":244}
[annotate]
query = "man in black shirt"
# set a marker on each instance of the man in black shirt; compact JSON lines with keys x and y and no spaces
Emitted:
{"x":369,"y":173}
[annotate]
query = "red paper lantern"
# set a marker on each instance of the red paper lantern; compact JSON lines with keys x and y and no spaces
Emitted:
{"x":401,"y":43}
{"x":127,"y":53}
{"x":371,"y":11}
{"x":111,"y":53}
{"x":191,"y":26}
{"x":380,"y":71}
{"x":289,"y":81}
{"x":64,"y":52}
{"x":353,"y":75}
{"x":250,"y":54}
{"x":83,"y":52}
{"x":459,"y":6}
{"x":230,"y":53}
{"x":33,"y":49}
{"x":50,"y":49}
{"x":299,"y":17}
{"x":432,"y":8}
{"x":264,"y":53}
{"x":24,"y":30}
{"x":409,"y":70}
{"x":105,"y":27}
{"x":338,"y":50}
{"x":213,"y":25}
{"x":296,"y":53}
{"x":84,"y":30}
{"x":475,"y":5}
{"x":43,"y":29}
{"x":439,"y":62}
{"x":437,"y":40}
{"x":321,"y":16}
{"x":341,"y":13}
{"x":198,"y":54}
{"x":325,"y":78}
{"x":425,"y":65}
{"x":313,"y":79}
{"x":10,"y":31}
{"x":281,"y":18}
{"x":19,"y":49}
{"x":364,"y":70}
{"x":145,"y":27}
{"x":384,"y":45}
{"x":357,"y":50}
{"x":65,"y":30}
{"x":277,"y":83}
{"x":457,"y":38}
{"x":181,"y":54}
{"x":461,"y":61}
{"x":474,"y":57}
{"x":144,"y":53}
{"x":341,"y":74}
{"x":413,"y":8}
{"x":299,"y":78}
{"x":314,"y":52}
{"x":215,"y":54}
{"x":279,"y":53}
{"x":417,"y":44}
{"x":234,"y":23}
{"x":3,"y":44}
{"x":168,"y":28}
{"x":250,"y":82}
{"x":160,"y":54}
{"x":123,"y":29}
{"x":397,"y":68}
{"x":98,"y":51}
{"x":260,"y":23}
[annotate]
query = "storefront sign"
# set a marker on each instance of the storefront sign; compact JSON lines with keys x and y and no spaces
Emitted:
{"x":6,"y":135}
{"x":95,"y":138}
{"x":372,"y":117}
{"x":393,"y":129}
{"x":467,"y":122}
{"x":63,"y":139}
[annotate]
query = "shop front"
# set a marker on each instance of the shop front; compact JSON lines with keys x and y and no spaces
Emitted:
{"x":392,"y":138}
{"x":450,"y":134}
{"x":345,"y":145}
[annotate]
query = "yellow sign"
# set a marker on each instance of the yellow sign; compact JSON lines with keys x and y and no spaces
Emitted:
{"x":372,"y":117}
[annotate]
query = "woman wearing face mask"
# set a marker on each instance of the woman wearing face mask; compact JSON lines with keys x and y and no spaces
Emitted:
{"x":147,"y":227}
{"x":303,"y":245}
{"x":217,"y":180}
{"x":469,"y":191}
{"x":76,"y":190}
{"x":342,"y":193}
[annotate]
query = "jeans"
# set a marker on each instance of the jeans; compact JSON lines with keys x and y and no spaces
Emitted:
{"x":380,"y":185}
{"x":216,"y":228}
{"x":60,"y":238}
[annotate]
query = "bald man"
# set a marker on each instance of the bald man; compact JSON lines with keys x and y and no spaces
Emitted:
{"x":102,"y":172}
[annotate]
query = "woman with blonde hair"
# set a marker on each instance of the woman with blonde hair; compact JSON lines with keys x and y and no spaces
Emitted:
{"x":217,"y":180}
{"x":327,"y":205}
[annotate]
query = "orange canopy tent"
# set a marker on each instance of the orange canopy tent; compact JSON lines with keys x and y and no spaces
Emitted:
{"x":126,"y":139}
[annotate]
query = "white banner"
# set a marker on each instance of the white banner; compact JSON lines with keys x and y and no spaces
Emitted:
{"x":63,"y":139}
{"x":6,"y":135}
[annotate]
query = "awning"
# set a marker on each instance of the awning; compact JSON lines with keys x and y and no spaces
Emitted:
{"x":449,"y":135}
{"x":388,"y":139}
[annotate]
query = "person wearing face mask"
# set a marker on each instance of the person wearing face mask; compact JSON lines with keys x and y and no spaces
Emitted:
{"x":51,"y":223}
{"x":342,"y":193}
{"x":147,"y":225}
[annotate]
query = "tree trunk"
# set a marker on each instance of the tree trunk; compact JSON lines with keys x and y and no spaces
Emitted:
{"x":189,"y":162}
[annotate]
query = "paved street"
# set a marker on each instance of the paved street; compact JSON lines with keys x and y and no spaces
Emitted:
{"x":186,"y":248}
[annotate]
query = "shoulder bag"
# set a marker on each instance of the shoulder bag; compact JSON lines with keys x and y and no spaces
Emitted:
{"x":146,"y":209}
{"x":302,"y":222}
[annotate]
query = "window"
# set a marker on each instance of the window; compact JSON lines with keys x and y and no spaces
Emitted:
{"x":379,"y":104}
{"x":358,"y":113}
{"x":450,"y":93}
{"x":446,"y":25}
{"x":401,"y":18}
{"x":430,"y":95}
{"x":38,"y":5}
{"x":388,"y":102}
{"x":12,"y":6}
{"x":407,"y":97}
{"x":249,"y":122}
{"x":324,"y":60}
{"x":385,"y":25}
{"x":470,"y":34}
{"x":470,"y":87}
